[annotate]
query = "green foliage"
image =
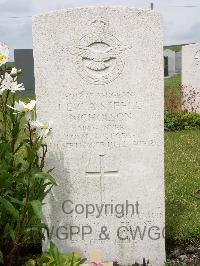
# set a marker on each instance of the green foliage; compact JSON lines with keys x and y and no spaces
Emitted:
{"x":182,"y":179}
{"x":23,"y":181}
{"x":54,"y":258}
{"x":181,"y":121}
{"x":10,"y":64}
{"x":175,"y":48}
{"x":182,"y":166}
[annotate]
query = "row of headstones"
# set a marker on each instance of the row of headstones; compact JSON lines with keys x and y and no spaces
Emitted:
{"x":172,"y":63}
{"x":186,"y":62}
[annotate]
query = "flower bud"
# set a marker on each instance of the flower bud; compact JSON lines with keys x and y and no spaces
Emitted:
{"x":13,"y":72}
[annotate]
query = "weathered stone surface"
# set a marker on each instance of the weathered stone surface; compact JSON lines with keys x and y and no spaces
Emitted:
{"x":191,"y":78}
{"x":99,"y":79}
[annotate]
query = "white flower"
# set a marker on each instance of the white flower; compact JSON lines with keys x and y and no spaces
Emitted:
{"x":4,"y":53}
{"x":1,"y":90}
{"x":14,"y":71}
{"x":42,"y":129}
{"x":8,"y":83}
{"x":24,"y":108}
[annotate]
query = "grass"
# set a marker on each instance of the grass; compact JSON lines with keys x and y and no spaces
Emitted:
{"x":182,"y":173}
{"x":173,"y":93}
{"x":175,"y":48}
{"x":173,"y":85}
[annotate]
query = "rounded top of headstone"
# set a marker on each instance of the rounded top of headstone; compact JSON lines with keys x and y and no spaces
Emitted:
{"x":102,"y":9}
{"x":96,"y":37}
{"x":191,"y":45}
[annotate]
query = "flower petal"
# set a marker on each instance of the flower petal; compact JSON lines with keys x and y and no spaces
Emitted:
{"x":31,"y":104}
{"x":4,"y":53}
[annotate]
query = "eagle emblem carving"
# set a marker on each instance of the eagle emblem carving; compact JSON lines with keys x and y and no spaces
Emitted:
{"x":98,"y":55}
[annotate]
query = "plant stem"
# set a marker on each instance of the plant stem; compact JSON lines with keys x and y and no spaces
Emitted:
{"x":5,"y":114}
{"x":44,"y":152}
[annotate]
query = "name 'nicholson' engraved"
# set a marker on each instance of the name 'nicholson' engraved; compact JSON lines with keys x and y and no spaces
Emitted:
{"x":100,"y":117}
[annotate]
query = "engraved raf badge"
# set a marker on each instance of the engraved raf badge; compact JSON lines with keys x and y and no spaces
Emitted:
{"x":98,"y":55}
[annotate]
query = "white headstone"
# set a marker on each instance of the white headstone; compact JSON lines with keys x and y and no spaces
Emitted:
{"x":99,"y":79}
{"x":191,"y":78}
{"x":170,"y":55}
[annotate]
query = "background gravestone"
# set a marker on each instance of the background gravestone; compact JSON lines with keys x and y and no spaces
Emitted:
{"x":166,"y":70}
{"x":170,"y":55}
{"x":191,"y":78}
{"x":178,"y":62}
{"x":24,"y":61}
{"x":105,"y":101}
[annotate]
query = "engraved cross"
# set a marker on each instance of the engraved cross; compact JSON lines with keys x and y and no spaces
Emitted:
{"x":102,"y":172}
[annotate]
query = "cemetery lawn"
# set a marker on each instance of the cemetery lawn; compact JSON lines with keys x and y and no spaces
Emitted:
{"x":175,"y":48}
{"x":182,"y":175}
{"x":173,"y":94}
{"x":173,"y":84}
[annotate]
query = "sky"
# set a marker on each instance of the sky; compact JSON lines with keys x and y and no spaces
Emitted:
{"x":181,"y":17}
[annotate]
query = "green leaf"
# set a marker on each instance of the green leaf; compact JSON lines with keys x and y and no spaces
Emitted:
{"x":18,"y":148}
{"x":55,"y":253}
{"x":37,"y":208}
{"x":30,"y":154}
{"x":1,"y":257}
{"x":9,"y":231}
{"x":72,"y":260}
{"x":10,"y":208}
{"x":5,"y":178}
{"x":82,"y":261}
{"x":30,"y":262}
{"x":46,"y":258}
{"x":16,"y":130}
{"x":50,"y":170}
{"x":16,"y":201}
{"x":47,"y":191}
{"x":44,"y":175}
{"x":44,"y":226}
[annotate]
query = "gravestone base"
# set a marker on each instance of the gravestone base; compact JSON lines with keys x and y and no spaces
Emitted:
{"x":98,"y":264}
